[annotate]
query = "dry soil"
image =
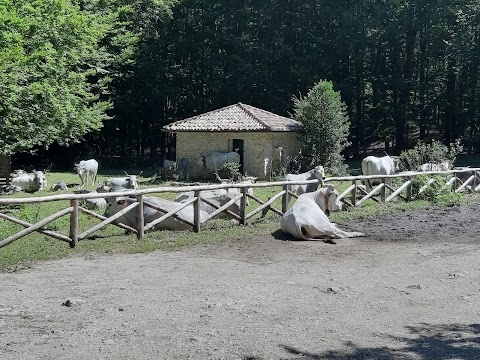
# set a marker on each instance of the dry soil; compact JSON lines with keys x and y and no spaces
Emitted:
{"x":409,"y":290}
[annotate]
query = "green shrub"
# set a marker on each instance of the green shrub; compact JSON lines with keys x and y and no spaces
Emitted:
{"x":422,"y":153}
{"x":435,"y":192}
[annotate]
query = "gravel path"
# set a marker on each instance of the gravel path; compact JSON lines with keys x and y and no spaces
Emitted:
{"x":409,"y":290}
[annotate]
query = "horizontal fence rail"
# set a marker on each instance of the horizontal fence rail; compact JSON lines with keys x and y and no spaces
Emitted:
{"x":355,"y":195}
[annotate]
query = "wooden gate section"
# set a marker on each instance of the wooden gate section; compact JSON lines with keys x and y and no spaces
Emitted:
{"x":354,"y":195}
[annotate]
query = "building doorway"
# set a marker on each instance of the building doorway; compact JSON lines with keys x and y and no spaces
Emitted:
{"x":238,"y":145}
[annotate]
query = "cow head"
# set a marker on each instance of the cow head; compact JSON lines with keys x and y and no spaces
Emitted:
{"x":327,"y":199}
{"x":41,"y":179}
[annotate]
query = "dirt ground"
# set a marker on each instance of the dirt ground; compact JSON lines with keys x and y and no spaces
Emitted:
{"x":409,"y":290}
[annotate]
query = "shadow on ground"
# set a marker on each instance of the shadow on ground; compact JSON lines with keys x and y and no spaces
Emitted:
{"x":440,"y":342}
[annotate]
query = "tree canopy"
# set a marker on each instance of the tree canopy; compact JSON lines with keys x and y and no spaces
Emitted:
{"x":325,"y":127}
{"x":406,"y":69}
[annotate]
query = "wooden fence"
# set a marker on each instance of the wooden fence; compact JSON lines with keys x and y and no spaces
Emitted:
{"x":355,"y":195}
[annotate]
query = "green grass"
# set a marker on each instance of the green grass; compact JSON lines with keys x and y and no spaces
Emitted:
{"x":111,"y":239}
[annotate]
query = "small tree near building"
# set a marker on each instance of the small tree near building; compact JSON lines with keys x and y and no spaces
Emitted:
{"x":325,"y":127}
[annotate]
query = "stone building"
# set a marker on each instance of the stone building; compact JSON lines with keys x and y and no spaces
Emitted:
{"x":264,"y":140}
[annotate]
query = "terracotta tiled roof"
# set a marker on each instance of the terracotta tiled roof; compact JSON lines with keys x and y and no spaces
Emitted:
{"x":237,"y":117}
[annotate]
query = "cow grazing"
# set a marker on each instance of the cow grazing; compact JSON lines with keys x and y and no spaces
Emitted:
{"x":86,"y":168}
{"x":316,"y":173}
{"x":31,"y":183}
{"x":128,"y":182}
{"x":216,"y":160}
{"x":150,"y":214}
{"x":441,"y":166}
{"x":307,"y":219}
{"x":372,"y":165}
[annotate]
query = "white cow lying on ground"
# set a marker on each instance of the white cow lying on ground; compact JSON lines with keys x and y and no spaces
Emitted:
{"x":307,"y":219}
{"x":30,"y":182}
{"x":60,"y":186}
{"x":150,"y":214}
{"x":316,"y":173}
{"x":9,"y":189}
{"x":92,"y":204}
{"x":442,"y":166}
{"x":372,"y":165}
{"x":233,"y":191}
{"x":86,"y":168}
{"x":218,"y":197}
{"x":128,"y":182}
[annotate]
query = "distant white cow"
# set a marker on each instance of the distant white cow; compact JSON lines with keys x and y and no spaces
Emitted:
{"x":316,"y":173}
{"x":216,"y":160}
{"x":441,"y":166}
{"x":245,"y":180}
{"x":128,"y":182}
{"x":60,"y":186}
{"x":307,"y":219}
{"x":150,"y":214}
{"x":36,"y":181}
{"x":86,"y":168}
{"x":92,"y":204}
{"x":372,"y":165}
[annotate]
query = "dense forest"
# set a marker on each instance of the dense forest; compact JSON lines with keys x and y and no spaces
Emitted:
{"x":406,"y":69}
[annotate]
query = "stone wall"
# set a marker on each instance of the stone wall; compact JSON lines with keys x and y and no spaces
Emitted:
{"x":261,"y":150}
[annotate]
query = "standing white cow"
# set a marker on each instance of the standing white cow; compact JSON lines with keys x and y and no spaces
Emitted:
{"x":372,"y":165}
{"x":316,"y":173}
{"x":87,"y":168}
{"x":216,"y":160}
{"x":307,"y":219}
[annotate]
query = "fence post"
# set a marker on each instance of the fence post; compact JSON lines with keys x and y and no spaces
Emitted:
{"x":243,"y":207}
{"x":384,"y":190}
{"x":353,"y":193}
{"x":74,"y":223}
{"x":285,"y":199}
{"x":140,"y":218}
{"x":408,"y":190}
{"x":196,"y":211}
